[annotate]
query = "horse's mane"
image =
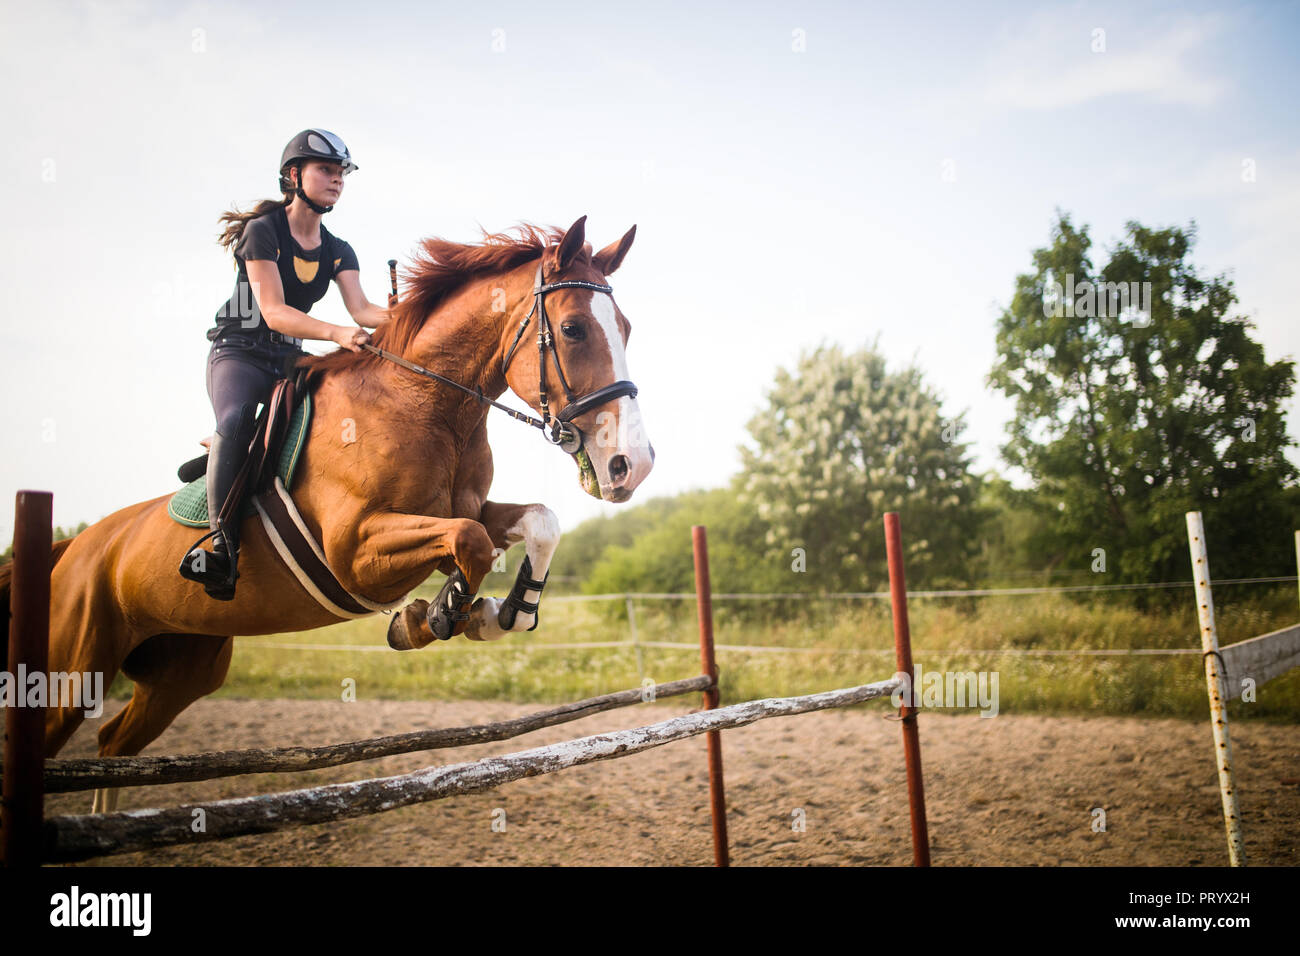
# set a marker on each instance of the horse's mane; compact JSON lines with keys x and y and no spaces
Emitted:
{"x":439,"y":268}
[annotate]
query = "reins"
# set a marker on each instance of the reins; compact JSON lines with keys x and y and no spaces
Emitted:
{"x":476,"y":392}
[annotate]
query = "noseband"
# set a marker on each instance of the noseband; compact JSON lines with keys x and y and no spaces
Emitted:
{"x":562,"y":430}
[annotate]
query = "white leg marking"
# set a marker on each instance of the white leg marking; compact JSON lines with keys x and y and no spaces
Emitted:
{"x":482,"y":624}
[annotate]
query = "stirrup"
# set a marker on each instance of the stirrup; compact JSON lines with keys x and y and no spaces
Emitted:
{"x":220,"y":568}
{"x":443,"y":619}
{"x":514,"y":602}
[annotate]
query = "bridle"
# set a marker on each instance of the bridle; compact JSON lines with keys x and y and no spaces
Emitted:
{"x":562,"y":431}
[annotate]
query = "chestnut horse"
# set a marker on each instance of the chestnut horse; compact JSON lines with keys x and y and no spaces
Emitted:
{"x":393,"y":484}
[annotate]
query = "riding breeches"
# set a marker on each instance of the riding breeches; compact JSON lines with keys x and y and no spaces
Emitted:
{"x":242,"y":373}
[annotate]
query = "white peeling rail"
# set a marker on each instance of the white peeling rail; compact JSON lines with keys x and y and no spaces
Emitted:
{"x":88,"y":773}
{"x":1261,"y":658}
{"x":72,"y":838}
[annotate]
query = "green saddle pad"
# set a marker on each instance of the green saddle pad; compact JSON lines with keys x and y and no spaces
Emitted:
{"x":189,"y":506}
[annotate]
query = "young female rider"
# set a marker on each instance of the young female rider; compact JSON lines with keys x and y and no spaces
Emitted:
{"x":285,"y":259}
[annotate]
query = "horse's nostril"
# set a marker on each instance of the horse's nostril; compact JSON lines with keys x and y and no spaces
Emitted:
{"x":618,"y":468}
{"x":652,"y":452}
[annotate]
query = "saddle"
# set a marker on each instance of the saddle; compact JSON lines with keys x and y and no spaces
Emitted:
{"x":259,"y":468}
{"x":268,"y":439}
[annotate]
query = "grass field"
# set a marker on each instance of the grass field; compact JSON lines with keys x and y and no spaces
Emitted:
{"x":838,"y":643}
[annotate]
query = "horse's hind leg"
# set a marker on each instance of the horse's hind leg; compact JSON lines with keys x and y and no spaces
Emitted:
{"x":170,"y":671}
{"x":80,"y":645}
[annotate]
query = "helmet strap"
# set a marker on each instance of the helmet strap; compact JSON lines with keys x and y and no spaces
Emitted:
{"x":320,"y":209}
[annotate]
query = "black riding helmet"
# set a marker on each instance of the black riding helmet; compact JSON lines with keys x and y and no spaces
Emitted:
{"x":312,"y":144}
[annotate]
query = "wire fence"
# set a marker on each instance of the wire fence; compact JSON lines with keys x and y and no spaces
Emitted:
{"x":884,"y":595}
{"x":632,"y":643}
{"x":743,"y":648}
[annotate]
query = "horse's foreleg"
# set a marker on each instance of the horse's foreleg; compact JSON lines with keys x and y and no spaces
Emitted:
{"x":539,"y":529}
{"x":398,"y":546}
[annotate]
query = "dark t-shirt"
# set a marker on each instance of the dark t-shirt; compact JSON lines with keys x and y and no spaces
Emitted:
{"x":304,"y":274}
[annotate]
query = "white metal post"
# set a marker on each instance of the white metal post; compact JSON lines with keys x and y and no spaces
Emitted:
{"x":1214,"y":680}
{"x":636,"y":643}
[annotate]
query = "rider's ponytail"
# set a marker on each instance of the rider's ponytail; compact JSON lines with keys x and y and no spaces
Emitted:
{"x":236,"y":220}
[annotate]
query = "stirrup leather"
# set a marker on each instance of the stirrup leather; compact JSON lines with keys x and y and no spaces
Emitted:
{"x":447,"y":609}
{"x":514,"y":602}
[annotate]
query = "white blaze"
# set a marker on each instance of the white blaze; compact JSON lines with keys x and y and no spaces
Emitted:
{"x":631,"y":438}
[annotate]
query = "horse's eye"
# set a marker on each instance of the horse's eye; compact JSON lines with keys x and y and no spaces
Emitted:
{"x":573,"y":331}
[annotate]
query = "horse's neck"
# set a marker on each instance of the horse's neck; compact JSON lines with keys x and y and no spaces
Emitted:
{"x":460,"y":343}
{"x":464,"y":354}
{"x":413,"y":430}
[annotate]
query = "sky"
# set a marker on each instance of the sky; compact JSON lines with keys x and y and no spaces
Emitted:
{"x":799,"y":173}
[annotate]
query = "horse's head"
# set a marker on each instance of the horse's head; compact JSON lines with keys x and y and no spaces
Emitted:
{"x":580,"y":376}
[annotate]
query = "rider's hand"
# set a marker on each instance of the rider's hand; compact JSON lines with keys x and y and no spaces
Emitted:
{"x":351,"y":339}
{"x":392,"y":299}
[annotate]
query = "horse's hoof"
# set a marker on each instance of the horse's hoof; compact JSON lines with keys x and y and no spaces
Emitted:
{"x":407,"y":631}
{"x":448,"y":608}
{"x":483,"y":624}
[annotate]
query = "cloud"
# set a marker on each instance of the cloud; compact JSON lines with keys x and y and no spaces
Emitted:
{"x":1048,"y":62}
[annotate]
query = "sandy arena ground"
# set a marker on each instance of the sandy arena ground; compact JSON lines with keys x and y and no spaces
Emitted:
{"x":1008,"y":790}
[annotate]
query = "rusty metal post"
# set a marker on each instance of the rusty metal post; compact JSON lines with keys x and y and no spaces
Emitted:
{"x":29,"y":652}
{"x":1215,"y":686}
{"x":704,"y":599}
{"x":907,"y":713}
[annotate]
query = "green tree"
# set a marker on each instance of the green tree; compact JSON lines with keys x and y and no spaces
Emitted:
{"x":660,"y":558}
{"x":582,"y":548}
{"x":842,"y":441}
{"x":1128,"y":418}
{"x":1017,"y":544}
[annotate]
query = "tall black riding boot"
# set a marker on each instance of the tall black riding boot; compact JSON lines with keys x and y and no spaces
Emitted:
{"x":216,"y":570}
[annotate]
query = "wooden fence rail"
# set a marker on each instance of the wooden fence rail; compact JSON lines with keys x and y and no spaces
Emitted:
{"x":72,"y":838}
{"x":89,"y":773}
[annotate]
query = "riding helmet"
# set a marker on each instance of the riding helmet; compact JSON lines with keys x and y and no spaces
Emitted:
{"x":313,"y":144}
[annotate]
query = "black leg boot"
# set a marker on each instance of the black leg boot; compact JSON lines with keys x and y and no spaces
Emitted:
{"x":216,"y":569}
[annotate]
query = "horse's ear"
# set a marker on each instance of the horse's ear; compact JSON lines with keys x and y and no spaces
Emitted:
{"x":570,"y":244}
{"x":611,"y":257}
